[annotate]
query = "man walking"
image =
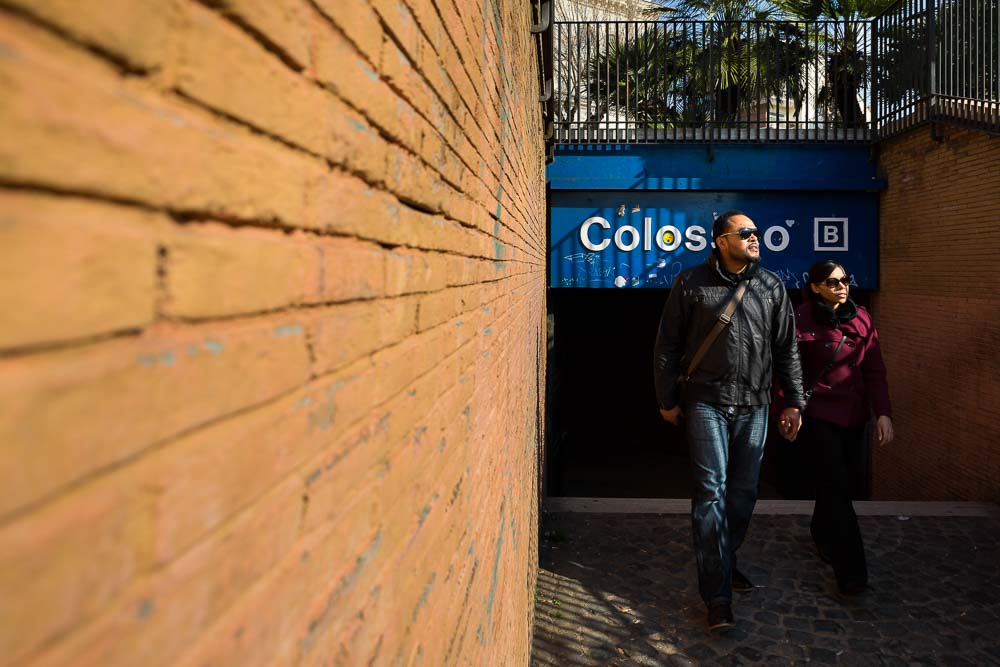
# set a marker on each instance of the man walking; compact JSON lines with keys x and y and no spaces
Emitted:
{"x":726,"y":323}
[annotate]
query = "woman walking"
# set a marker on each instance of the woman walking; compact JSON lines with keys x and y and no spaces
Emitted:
{"x":844,"y":376}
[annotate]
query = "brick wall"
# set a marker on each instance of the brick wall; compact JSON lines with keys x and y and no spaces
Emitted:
{"x":939,"y":316}
{"x":271,"y":308}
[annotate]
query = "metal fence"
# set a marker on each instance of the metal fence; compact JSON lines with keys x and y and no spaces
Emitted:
{"x":655,"y":81}
{"x":790,"y":81}
{"x":938,"y":61}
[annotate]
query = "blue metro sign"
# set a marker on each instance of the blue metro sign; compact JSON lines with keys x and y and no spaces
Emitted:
{"x":644,"y":238}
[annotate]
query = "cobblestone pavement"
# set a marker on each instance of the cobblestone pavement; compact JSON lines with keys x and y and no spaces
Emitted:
{"x":620,"y":589}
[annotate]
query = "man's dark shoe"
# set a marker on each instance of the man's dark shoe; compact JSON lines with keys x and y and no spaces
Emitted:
{"x":741,"y":584}
{"x":720,"y":617}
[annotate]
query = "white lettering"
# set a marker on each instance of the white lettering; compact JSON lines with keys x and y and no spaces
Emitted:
{"x":830,"y":234}
{"x":621,"y":232}
{"x":694,"y":238}
{"x":585,"y":233}
{"x":695,"y":235}
{"x":769,"y":239}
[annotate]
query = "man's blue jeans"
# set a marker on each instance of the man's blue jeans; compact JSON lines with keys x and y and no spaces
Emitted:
{"x":726,"y":444}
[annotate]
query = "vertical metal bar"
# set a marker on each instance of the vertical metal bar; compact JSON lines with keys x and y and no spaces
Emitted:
{"x":964,"y":53}
{"x":745,"y":52}
{"x":949,"y":57}
{"x":572,"y":80}
{"x":557,"y":78}
{"x":684,"y":79}
{"x":829,"y":65}
{"x":635,"y":53}
{"x":628,"y":86}
{"x":747,"y":44}
{"x":969,"y":58}
{"x":593,"y":82}
{"x":759,"y":91}
{"x":873,"y":128}
{"x":644,"y":69}
{"x":760,"y":48}
{"x":577,"y":77}
{"x":710,"y":85}
{"x":637,"y":68}
{"x":788,"y":88}
{"x":608,"y":82}
{"x":811,"y":57}
{"x":978,"y":52}
{"x":633,"y":80}
{"x":944,"y":37}
{"x":660,"y":100}
{"x":587,"y":83}
{"x":657,"y":89}
{"x":754,"y":101}
{"x":557,"y":84}
{"x":980,"y":69}
{"x":811,"y":65}
{"x":640,"y":71}
{"x":618,"y":109}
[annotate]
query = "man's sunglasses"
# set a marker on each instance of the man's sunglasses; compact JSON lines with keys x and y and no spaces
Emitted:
{"x":833,"y":282}
{"x":745,"y":233}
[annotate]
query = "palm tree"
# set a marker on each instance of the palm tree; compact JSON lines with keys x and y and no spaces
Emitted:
{"x":720,"y":61}
{"x":846,"y":58}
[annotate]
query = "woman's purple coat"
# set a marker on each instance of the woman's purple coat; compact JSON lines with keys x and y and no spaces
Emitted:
{"x":856,"y":381}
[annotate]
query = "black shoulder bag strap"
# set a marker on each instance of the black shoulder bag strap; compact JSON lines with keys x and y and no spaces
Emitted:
{"x":809,"y":392}
{"x":724,"y":319}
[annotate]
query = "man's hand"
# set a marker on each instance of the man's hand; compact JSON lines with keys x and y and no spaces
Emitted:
{"x":883,"y":430}
{"x":790,"y":423}
{"x":672,"y":415}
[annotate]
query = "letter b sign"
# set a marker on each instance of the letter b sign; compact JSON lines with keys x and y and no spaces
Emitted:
{"x":830,"y":234}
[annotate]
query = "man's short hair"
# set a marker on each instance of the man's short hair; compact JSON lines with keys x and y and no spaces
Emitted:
{"x":721,"y":224}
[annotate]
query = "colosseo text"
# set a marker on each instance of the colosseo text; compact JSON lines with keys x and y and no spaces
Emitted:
{"x":667,"y":238}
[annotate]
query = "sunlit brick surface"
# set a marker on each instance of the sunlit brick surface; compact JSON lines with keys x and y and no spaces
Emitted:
{"x":271,"y":338}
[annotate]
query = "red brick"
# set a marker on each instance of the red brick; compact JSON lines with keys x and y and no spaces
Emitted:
{"x":123,"y":396}
{"x":212,"y":270}
{"x":79,"y":127}
{"x":107,"y":259}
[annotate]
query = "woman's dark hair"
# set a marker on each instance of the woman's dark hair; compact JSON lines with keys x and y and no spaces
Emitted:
{"x":819,"y":272}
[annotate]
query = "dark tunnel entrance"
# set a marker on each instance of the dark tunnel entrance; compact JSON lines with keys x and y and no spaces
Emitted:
{"x":606,"y":437}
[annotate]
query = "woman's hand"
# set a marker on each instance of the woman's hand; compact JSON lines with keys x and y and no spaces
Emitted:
{"x":790,"y":423}
{"x":883,"y":430}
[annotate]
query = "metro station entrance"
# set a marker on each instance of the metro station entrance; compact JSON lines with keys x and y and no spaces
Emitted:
{"x":623,"y":222}
{"x":608,"y":440}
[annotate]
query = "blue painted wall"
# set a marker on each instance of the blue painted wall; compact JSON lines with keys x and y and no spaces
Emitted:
{"x":611,"y":205}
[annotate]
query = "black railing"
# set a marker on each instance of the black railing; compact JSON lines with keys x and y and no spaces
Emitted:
{"x":938,"y":61}
{"x":817,"y":81}
{"x":636,"y":82}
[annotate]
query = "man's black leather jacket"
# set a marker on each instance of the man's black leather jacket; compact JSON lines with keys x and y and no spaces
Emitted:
{"x":736,"y":370}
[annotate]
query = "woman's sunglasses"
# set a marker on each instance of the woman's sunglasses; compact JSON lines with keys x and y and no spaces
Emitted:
{"x":833,"y":282}
{"x":745,"y":233}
